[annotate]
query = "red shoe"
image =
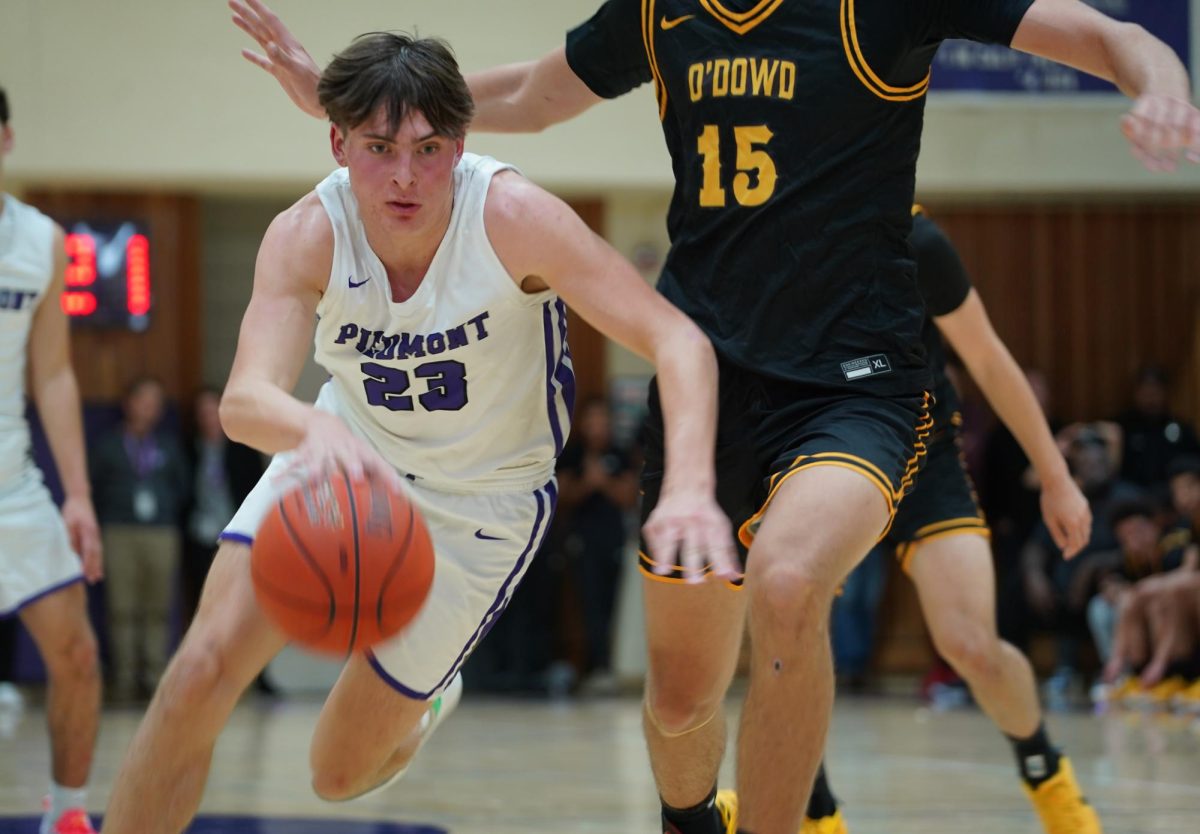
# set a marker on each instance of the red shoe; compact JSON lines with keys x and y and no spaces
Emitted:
{"x":70,"y":821}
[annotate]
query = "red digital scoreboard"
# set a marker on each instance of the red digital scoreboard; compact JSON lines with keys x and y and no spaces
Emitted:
{"x":108,"y":274}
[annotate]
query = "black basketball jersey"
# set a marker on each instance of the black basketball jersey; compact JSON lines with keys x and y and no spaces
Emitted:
{"x":944,"y":286}
{"x":793,"y":128}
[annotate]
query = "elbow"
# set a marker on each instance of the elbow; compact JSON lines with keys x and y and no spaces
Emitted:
{"x":231,"y":411}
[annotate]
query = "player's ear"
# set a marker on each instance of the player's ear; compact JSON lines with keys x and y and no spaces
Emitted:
{"x":458,"y":150}
{"x":337,"y":144}
{"x":6,"y":139}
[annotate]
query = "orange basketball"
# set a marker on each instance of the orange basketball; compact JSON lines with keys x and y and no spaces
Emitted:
{"x":340,"y":566}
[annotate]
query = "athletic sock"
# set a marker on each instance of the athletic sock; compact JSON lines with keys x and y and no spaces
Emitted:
{"x":699,"y":819}
{"x":821,"y":803}
{"x":1037,"y":759}
{"x":62,"y":799}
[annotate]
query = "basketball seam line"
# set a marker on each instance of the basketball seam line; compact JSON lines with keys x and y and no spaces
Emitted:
{"x":357,"y":562}
{"x":316,"y":567}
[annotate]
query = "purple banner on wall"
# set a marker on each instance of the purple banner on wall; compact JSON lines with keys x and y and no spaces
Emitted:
{"x":967,"y":66}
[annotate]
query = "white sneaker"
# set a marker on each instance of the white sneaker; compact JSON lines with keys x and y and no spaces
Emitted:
{"x":439,"y":709}
{"x":10,"y":696}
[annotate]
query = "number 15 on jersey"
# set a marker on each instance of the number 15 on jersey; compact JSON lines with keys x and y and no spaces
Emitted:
{"x":754,"y":182}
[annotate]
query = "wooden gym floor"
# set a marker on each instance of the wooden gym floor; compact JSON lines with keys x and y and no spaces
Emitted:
{"x":521,"y":767}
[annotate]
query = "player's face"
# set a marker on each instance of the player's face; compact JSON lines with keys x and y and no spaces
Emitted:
{"x":402,"y":180}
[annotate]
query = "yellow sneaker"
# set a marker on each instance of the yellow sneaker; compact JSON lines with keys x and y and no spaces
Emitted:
{"x":1061,"y":806}
{"x":727,"y":806}
{"x":1121,"y":691}
{"x":1188,"y":700}
{"x":833,"y":824}
{"x":1159,"y":696}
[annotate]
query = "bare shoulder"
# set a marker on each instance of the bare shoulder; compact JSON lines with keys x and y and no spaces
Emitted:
{"x":527,"y":225}
{"x":299,"y":243}
{"x":513,"y":200}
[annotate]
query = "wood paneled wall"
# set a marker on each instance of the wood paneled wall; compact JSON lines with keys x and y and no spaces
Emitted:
{"x":1086,"y":293}
{"x":1089,"y":293}
{"x":589,"y":352}
{"x":170,"y":348}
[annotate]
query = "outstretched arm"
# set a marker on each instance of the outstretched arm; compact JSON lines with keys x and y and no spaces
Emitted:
{"x":515,"y":98}
{"x":56,"y":393}
{"x":1064,"y":508}
{"x":1163,"y":123}
{"x":544,"y":244}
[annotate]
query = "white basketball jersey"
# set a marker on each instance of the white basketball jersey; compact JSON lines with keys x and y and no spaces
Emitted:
{"x":466,"y":386}
{"x":26,"y":267}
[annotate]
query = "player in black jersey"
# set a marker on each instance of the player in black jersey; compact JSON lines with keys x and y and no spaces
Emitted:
{"x":794,"y":128}
{"x":942,"y":539}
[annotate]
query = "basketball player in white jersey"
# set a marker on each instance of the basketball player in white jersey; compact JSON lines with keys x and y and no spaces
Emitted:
{"x":44,"y":556}
{"x":437,"y":282}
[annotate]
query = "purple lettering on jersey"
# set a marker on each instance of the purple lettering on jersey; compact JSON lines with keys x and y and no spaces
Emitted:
{"x":480,"y":332}
{"x":348,"y":331}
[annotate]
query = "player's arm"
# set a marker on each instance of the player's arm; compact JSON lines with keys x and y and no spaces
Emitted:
{"x":515,"y":98}
{"x":258,"y":408}
{"x":528,"y":97}
{"x":56,"y":393}
{"x":970,"y":332}
{"x":544,"y":244}
{"x":1163,"y":122}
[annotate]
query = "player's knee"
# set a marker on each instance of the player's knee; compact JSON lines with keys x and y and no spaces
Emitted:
{"x":335,"y":782}
{"x":75,"y":657}
{"x":676,"y":707}
{"x":194,"y":677}
{"x":973,"y":650}
{"x":788,"y":599}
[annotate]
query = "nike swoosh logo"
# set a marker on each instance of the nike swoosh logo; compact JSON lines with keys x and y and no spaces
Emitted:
{"x":353,"y":285}
{"x":479,"y":534}
{"x":668,"y":25}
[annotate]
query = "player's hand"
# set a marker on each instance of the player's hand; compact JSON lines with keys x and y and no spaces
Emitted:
{"x":329,"y":446}
{"x":1161,"y":128}
{"x":1067,"y":516}
{"x":690,"y":524}
{"x":283,"y":56}
{"x":84,"y":533}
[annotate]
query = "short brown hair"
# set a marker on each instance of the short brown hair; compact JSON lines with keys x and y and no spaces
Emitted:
{"x":400,"y":73}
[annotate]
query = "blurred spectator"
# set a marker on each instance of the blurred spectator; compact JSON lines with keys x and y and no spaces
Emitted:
{"x":598,"y":488}
{"x":140,"y":484}
{"x":1058,"y":591}
{"x":224,"y":472}
{"x":1142,"y":552}
{"x":1009,"y":493}
{"x":1152,"y":435}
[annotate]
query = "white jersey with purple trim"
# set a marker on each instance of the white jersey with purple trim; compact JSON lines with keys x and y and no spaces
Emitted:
{"x":26,"y":267}
{"x":35,"y":553}
{"x":467,"y":386}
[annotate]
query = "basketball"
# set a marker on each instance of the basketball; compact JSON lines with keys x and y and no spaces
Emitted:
{"x":341,"y":565}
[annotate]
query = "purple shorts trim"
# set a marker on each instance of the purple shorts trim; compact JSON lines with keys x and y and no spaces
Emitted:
{"x":545,"y":511}
{"x":239,"y":538}
{"x":39,"y":595}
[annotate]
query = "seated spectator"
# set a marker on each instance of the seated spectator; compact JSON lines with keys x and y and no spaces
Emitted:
{"x":1153,"y":436}
{"x":1143,"y":553}
{"x":1157,"y":627}
{"x":1057,"y":590}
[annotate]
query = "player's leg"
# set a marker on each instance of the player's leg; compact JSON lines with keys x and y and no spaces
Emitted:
{"x":956,"y":586}
{"x":693,"y":634}
{"x":821,"y":522}
{"x":59,"y":625}
{"x":162,"y":778}
{"x":368,"y":732}
{"x":387,"y":702}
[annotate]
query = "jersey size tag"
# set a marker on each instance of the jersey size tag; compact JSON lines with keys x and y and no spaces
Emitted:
{"x":867,"y":366}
